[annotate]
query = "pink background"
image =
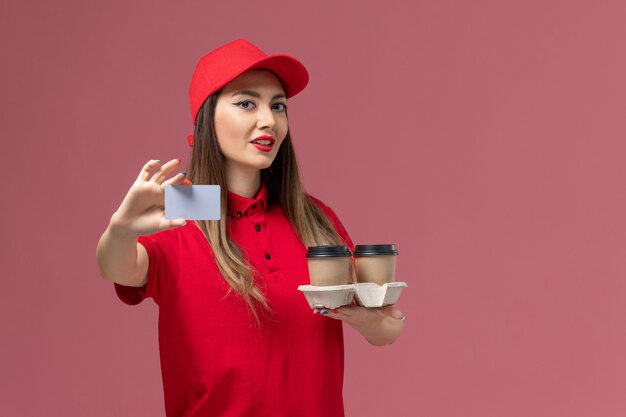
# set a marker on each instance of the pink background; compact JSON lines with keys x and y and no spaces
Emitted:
{"x":484,"y":138}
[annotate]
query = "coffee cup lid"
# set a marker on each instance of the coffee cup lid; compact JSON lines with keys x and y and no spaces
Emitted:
{"x":372,"y":250}
{"x":328,"y":252}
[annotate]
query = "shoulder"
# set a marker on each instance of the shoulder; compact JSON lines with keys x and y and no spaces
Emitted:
{"x":319,"y":203}
{"x":332,"y":216}
{"x":170,"y":238}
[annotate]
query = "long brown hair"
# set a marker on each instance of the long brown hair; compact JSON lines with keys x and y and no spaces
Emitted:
{"x":208,"y":166}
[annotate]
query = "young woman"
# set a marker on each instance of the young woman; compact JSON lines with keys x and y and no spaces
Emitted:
{"x":236,"y":338}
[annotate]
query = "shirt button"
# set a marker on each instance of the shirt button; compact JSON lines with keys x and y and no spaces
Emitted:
{"x":257,"y":228}
{"x":239,"y":214}
{"x":254,"y":206}
{"x":267,"y":256}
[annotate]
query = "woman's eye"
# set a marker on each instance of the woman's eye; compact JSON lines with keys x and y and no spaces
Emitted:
{"x":246,"y":104}
{"x":280,"y":106}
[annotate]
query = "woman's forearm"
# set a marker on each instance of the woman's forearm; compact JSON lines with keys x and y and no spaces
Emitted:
{"x":118,"y":259}
{"x":383,"y":331}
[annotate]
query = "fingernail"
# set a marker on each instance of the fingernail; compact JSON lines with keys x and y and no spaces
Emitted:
{"x":324,"y":312}
{"x":402,"y":318}
{"x":158,"y":161}
{"x":178,"y":159}
{"x":184,"y":172}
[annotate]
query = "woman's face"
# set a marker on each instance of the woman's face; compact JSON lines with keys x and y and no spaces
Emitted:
{"x":250,"y":120}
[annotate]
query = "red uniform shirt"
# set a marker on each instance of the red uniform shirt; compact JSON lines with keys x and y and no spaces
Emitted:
{"x":215,"y":360}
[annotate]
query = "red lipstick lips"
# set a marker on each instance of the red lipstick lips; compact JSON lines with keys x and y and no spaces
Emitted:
{"x":263,"y":143}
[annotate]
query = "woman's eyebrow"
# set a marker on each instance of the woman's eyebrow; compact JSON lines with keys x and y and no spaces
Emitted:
{"x":257,"y":95}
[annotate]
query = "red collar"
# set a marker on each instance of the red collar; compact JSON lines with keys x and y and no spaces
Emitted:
{"x":239,"y":206}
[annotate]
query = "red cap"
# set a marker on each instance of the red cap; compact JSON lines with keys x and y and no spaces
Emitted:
{"x":224,"y":64}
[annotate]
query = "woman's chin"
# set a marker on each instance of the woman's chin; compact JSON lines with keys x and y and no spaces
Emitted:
{"x":263,"y":163}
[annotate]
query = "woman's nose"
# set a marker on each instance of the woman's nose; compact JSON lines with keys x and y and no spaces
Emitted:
{"x":265,"y":118}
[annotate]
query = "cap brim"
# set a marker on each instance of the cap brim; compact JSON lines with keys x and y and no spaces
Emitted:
{"x":291,"y":72}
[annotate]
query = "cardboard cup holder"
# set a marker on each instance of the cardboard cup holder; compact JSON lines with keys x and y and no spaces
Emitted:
{"x":331,"y":296}
{"x":373,"y":295}
{"x":366,"y":294}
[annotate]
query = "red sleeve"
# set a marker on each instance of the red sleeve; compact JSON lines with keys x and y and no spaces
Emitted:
{"x":341,"y":230}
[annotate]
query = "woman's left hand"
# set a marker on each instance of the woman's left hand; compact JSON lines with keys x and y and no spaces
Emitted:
{"x":380,"y":326}
{"x":357,"y":314}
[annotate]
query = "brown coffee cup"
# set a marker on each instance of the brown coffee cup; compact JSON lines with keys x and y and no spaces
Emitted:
{"x":375,"y":263}
{"x":329,"y":265}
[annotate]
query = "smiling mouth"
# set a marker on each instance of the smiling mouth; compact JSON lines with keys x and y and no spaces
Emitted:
{"x":264,"y":140}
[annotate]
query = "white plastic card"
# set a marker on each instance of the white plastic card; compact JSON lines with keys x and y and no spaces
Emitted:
{"x":192,"y":202}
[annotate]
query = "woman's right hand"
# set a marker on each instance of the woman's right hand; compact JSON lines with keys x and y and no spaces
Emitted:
{"x":142,"y":211}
